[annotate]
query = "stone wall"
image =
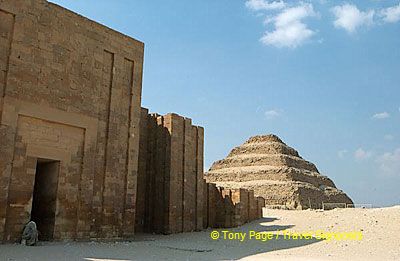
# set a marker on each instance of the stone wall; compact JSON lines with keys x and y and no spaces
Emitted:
{"x":170,"y":178}
{"x":260,"y":206}
{"x":172,"y":194}
{"x":70,"y":91}
{"x":227,"y":208}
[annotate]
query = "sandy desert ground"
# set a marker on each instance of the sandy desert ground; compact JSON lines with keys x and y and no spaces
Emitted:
{"x":380,"y":229}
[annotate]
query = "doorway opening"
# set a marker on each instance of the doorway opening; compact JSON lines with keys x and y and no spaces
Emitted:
{"x":44,"y":197}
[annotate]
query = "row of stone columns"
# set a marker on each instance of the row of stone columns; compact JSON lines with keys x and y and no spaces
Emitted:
{"x":172,"y":194}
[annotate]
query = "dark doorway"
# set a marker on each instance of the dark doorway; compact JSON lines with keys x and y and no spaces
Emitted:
{"x":44,"y":197}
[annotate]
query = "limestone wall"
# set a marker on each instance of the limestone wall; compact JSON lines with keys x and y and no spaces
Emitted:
{"x":70,"y":91}
{"x":231,"y":207}
{"x":170,"y":180}
{"x":172,"y":194}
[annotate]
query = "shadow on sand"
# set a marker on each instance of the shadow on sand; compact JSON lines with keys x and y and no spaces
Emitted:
{"x":185,"y":246}
{"x":234,"y":249}
{"x":198,"y":246}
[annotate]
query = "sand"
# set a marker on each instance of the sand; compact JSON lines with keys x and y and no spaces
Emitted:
{"x":380,"y":229}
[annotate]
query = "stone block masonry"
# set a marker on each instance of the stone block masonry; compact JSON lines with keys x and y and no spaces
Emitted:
{"x":171,"y":170}
{"x":70,"y":94}
{"x":231,"y":207}
{"x":172,"y":194}
{"x":260,"y":206}
{"x":213,"y":199}
{"x":252,"y":210}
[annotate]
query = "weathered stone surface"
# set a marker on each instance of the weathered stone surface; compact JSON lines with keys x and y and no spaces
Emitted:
{"x":260,"y":206}
{"x":231,"y":207}
{"x":242,"y":197}
{"x":276,"y":172}
{"x":70,"y":92}
{"x":142,"y":193}
{"x":171,"y":170}
{"x":189,"y":177}
{"x":252,"y":206}
{"x":200,"y":182}
{"x":213,"y":200}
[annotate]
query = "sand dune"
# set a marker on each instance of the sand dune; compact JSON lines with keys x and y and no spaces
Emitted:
{"x":380,"y":228}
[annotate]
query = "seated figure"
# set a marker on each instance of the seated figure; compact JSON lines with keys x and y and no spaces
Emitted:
{"x":30,"y":234}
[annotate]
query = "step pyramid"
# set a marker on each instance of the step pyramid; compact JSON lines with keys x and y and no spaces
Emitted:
{"x":278,"y":173}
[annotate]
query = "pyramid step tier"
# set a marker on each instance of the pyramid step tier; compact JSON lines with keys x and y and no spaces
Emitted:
{"x":291,"y":195}
{"x":250,"y":173}
{"x":264,"y":138}
{"x":264,"y":148}
{"x":264,"y":159}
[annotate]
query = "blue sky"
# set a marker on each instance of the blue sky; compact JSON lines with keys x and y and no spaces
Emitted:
{"x":323,"y":75}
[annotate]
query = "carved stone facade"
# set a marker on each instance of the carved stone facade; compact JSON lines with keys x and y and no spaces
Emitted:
{"x":70,"y":95}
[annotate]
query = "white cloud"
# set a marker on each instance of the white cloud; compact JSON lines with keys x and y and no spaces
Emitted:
{"x":390,"y":163}
{"x":349,"y":17}
{"x":258,"y":5}
{"x":289,"y":29}
{"x":361,"y":154}
{"x":342,"y":153}
{"x":381,"y":115}
{"x":391,"y":14}
{"x":272,"y":114}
